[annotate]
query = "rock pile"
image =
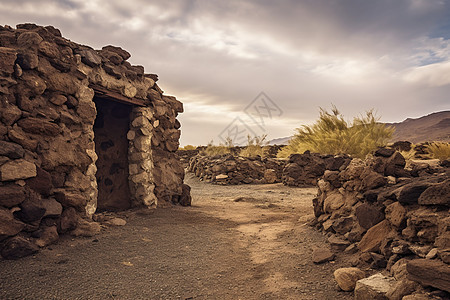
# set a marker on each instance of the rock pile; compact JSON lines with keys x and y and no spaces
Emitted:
{"x":57,"y":99}
{"x":230,"y":169}
{"x":395,"y":219}
{"x":303,"y":170}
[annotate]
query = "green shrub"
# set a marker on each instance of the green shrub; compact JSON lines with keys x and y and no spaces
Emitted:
{"x":439,"y":150}
{"x":331,"y":134}
{"x":255,"y":147}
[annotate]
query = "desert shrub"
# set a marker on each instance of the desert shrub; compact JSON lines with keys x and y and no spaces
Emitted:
{"x":439,"y":150}
{"x":409,"y":155}
{"x":221,"y":149}
{"x":188,"y":147}
{"x":332,"y":134}
{"x":255,"y":147}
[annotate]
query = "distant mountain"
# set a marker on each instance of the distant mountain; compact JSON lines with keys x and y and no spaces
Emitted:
{"x":433,"y":127}
{"x":280,"y":141}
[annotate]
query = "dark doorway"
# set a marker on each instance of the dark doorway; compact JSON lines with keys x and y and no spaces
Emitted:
{"x":111,"y":145}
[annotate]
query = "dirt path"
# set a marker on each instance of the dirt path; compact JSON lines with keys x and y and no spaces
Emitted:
{"x":238,"y":242}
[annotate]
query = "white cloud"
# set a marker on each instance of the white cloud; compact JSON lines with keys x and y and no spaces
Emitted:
{"x":433,"y":75}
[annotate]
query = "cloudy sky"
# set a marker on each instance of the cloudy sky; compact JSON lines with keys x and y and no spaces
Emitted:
{"x":218,"y":56}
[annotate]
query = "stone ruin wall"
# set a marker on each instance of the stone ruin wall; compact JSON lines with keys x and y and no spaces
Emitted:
{"x":391,"y":218}
{"x":47,"y":150}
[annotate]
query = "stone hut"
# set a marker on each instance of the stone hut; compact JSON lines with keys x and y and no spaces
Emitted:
{"x":81,"y":130}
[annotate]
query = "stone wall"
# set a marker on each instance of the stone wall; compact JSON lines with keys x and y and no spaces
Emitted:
{"x":230,"y":169}
{"x":393,"y":218}
{"x":49,"y":89}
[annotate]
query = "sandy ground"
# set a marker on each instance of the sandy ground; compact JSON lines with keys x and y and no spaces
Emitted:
{"x":235,"y":242}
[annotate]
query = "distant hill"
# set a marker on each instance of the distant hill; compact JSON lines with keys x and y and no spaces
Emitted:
{"x":433,"y":127}
{"x":280,"y":141}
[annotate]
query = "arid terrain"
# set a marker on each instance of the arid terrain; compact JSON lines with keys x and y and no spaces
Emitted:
{"x":235,"y":242}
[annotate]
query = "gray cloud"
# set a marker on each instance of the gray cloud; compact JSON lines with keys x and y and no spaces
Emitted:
{"x":216,"y":56}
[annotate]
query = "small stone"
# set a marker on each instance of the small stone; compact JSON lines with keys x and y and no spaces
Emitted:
{"x":221,"y":177}
{"x":58,"y":99}
{"x":346,"y":278}
{"x":115,"y":222}
{"x":432,"y":254}
{"x":322,"y":255}
{"x":86,"y":228}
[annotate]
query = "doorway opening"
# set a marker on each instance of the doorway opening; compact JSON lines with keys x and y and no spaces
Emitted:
{"x":111,"y":145}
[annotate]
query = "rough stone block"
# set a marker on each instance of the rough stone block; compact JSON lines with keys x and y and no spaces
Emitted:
{"x":429,"y":272}
{"x":374,"y":287}
{"x":17,"y":169}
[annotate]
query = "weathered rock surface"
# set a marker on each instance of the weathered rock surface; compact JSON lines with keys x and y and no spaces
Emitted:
{"x":346,"y":278}
{"x":17,"y":169}
{"x":430,"y":273}
{"x":322,"y":255}
{"x":9,"y":226}
{"x":18,"y":247}
{"x":374,"y":287}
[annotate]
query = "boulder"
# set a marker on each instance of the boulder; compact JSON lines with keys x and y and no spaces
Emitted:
{"x":374,"y":287}
{"x":410,"y":193}
{"x":375,"y":235}
{"x":346,"y":278}
{"x":438,"y":194}
{"x":9,"y":226}
{"x":430,"y":273}
{"x":17,"y":169}
{"x":18,"y":247}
